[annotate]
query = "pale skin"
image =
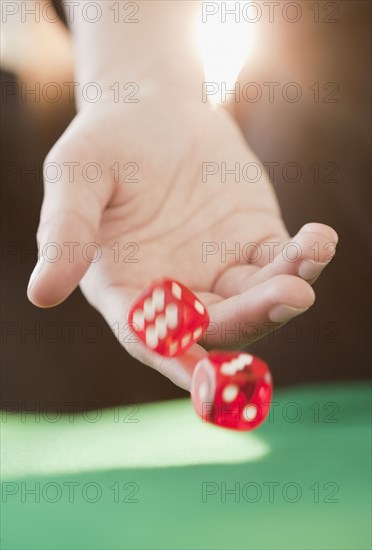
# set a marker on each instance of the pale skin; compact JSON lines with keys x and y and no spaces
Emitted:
{"x":170,"y":213}
{"x":38,"y":50}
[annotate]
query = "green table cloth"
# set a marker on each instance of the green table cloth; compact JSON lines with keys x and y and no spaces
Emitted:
{"x":156,"y":476}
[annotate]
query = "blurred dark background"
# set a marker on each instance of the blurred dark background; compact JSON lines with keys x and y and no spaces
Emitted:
{"x":68,"y":354}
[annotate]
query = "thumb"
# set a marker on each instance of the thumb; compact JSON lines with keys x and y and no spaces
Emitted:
{"x":67,"y":234}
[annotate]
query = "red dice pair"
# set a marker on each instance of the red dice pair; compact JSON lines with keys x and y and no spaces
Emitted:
{"x":230,"y":389}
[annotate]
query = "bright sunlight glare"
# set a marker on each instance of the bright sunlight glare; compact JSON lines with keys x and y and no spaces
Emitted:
{"x":224,"y":47}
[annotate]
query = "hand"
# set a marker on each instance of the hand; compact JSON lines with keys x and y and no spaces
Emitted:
{"x":169,"y":213}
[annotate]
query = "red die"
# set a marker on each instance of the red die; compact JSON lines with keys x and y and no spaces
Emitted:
{"x":232,"y":389}
{"x":168,"y":318}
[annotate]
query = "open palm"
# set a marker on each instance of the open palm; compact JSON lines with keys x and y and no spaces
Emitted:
{"x":163,"y":206}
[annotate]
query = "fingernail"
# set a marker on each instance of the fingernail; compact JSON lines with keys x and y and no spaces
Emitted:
{"x":308,"y":269}
{"x":281,"y":314}
{"x":36,"y":272}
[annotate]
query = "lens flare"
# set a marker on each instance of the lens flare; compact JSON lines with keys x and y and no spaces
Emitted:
{"x":224,"y":40}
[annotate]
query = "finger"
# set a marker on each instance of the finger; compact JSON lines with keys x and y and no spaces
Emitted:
{"x":306,"y":255}
{"x":244,"y":318}
{"x":69,"y":223}
{"x":114,"y":302}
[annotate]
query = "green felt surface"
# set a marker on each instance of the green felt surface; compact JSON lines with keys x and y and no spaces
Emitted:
{"x":157,"y":477}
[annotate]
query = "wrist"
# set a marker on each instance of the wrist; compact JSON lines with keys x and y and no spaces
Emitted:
{"x":157,"y":53}
{"x":126,"y":88}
